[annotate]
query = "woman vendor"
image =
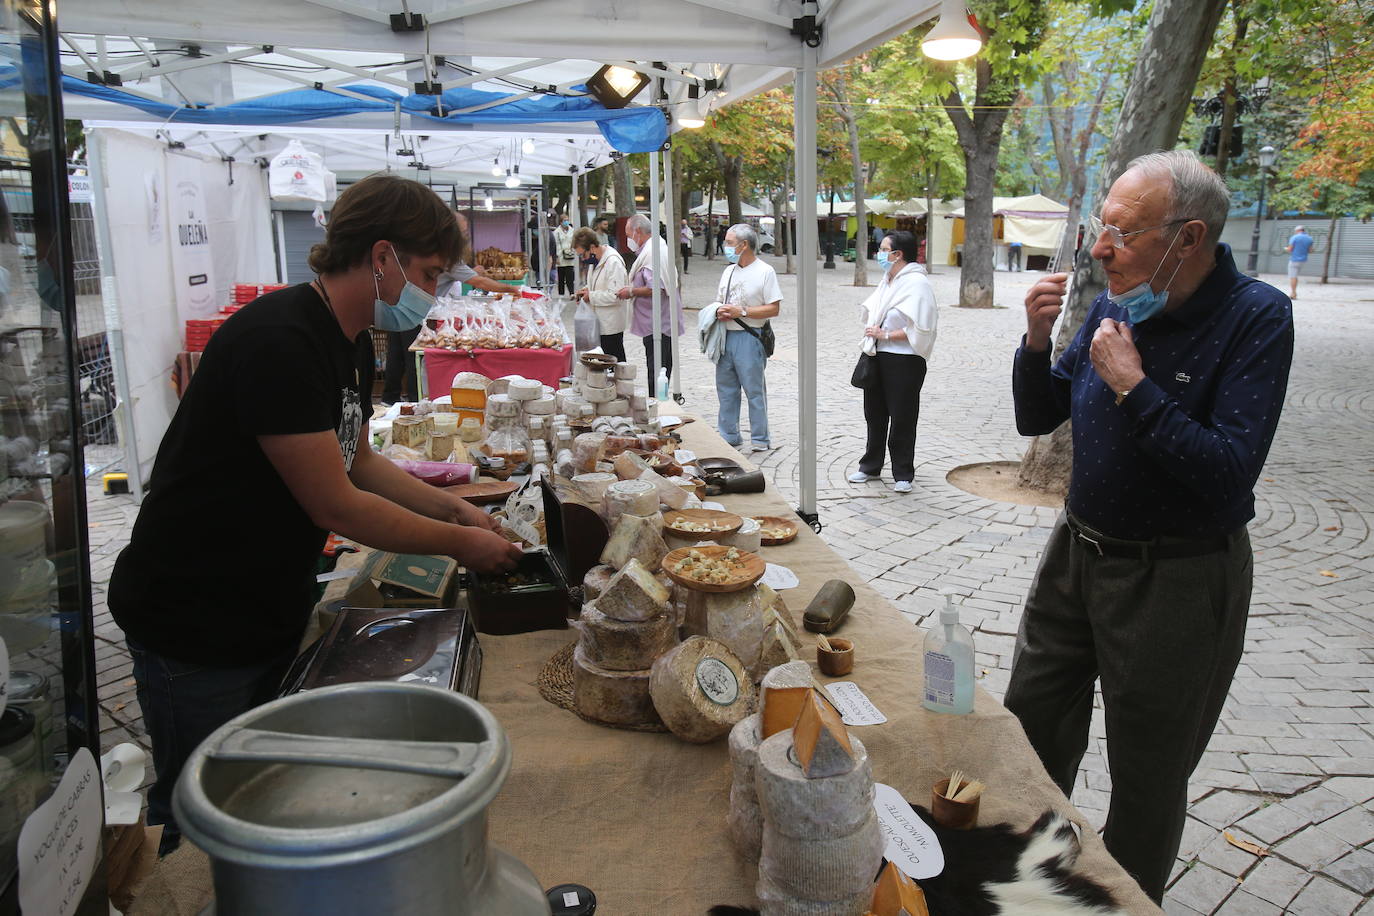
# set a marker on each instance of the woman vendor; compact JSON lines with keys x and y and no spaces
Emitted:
{"x":269,"y":452}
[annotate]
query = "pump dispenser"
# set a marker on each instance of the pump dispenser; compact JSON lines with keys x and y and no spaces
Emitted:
{"x":948,"y":664}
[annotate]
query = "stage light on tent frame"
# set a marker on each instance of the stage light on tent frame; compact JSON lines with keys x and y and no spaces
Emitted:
{"x":956,"y":36}
{"x":614,"y":86}
{"x":513,"y":178}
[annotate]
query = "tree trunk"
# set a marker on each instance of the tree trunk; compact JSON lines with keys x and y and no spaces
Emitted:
{"x":1330,"y":244}
{"x":1157,"y":99}
{"x":932,"y":179}
{"x":839,"y":89}
{"x":785,"y":234}
{"x":710,"y":229}
{"x":1229,"y":94}
{"x":980,"y":137}
{"x":624,"y":188}
{"x":730,"y":167}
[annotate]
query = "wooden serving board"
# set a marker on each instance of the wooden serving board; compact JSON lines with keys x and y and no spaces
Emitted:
{"x":775,"y":521}
{"x":751,"y":569}
{"x":484,"y":491}
{"x":722,"y":523}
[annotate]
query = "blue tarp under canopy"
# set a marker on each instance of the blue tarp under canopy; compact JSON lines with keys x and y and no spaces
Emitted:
{"x":630,"y":130}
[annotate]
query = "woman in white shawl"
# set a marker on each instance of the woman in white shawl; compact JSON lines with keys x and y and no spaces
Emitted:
{"x":899,"y":331}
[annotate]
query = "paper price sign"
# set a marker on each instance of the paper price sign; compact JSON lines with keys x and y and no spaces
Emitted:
{"x":911,"y":844}
{"x":853,"y":704}
{"x":60,"y":841}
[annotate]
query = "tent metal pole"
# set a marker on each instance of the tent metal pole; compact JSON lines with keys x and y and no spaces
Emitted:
{"x":114,"y":323}
{"x":283,"y":270}
{"x":545,"y":252}
{"x":575,"y":215}
{"x":525,"y":222}
{"x":804,"y":122}
{"x":670,"y":220}
{"x":657,"y":289}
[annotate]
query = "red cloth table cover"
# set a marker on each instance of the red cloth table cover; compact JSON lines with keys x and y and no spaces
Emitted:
{"x":548,"y":366}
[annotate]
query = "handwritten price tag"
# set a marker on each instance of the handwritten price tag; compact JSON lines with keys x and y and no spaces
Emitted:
{"x":60,"y":841}
{"x":853,"y":704}
{"x":911,"y":844}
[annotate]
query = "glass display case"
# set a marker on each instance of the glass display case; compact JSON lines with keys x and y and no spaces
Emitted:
{"x":50,"y":808}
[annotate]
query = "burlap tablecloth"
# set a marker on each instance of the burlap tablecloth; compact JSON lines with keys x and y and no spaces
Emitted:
{"x":640,"y":817}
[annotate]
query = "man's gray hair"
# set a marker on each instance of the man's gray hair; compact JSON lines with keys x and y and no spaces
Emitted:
{"x":746,"y":234}
{"x":1195,"y":191}
{"x":638,"y":223}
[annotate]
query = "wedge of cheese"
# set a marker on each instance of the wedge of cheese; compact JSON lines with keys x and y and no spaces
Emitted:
{"x":636,"y":537}
{"x":700,"y":689}
{"x":634,"y":593}
{"x":897,"y":895}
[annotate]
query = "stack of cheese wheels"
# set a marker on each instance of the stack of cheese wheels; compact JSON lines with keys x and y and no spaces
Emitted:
{"x":624,"y":630}
{"x":821,"y":843}
{"x":608,"y":391}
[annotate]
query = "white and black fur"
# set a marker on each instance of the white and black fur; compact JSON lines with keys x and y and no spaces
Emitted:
{"x":995,"y":870}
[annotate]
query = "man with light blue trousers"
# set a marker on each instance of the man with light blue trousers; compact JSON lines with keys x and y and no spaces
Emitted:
{"x":747,"y":297}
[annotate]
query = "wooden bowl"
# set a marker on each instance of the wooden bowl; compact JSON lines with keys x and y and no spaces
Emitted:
{"x":788,"y":527}
{"x":598,"y":360}
{"x":666,"y":467}
{"x":722,"y":523}
{"x":750,"y":569}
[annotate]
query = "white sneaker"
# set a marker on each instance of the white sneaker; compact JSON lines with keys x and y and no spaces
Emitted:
{"x":760,"y":448}
{"x":902,"y":486}
{"x":858,"y":477}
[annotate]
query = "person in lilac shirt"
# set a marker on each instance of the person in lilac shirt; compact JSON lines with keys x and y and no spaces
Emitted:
{"x":641,"y":290}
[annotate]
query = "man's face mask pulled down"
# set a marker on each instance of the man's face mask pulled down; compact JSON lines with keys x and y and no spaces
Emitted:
{"x":1141,"y":302}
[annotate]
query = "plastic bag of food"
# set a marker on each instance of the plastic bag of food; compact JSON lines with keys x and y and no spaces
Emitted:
{"x":437,"y":473}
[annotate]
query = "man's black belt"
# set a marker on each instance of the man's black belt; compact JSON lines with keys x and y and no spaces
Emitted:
{"x":1145,"y":551}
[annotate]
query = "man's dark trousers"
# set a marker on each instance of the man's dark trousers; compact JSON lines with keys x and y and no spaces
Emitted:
{"x":1164,"y":636}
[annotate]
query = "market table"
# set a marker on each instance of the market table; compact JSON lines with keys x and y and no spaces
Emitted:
{"x":640,"y":817}
{"x":440,"y":366}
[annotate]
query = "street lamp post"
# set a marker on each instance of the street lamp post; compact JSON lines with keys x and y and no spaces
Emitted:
{"x":1267,"y":155}
{"x":830,"y":234}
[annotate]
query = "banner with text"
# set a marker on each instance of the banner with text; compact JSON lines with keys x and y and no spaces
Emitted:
{"x":193,"y":263}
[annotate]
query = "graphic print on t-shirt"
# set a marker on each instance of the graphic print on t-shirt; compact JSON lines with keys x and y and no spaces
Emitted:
{"x":350,"y":425}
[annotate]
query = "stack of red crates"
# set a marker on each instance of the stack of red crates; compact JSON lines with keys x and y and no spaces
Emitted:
{"x":198,"y":330}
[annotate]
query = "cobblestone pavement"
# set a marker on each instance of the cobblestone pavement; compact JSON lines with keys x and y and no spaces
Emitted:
{"x":1291,"y":766}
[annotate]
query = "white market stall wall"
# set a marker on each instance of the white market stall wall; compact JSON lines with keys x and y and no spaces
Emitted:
{"x":139,"y":262}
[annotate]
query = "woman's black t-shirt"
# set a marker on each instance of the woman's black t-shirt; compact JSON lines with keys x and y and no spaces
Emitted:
{"x":221,"y":566}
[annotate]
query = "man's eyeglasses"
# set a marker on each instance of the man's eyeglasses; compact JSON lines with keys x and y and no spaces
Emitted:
{"x":1117,"y":236}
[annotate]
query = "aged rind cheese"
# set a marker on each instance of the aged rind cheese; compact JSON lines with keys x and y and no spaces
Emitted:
{"x":596,"y":580}
{"x":597,"y":378}
{"x":898,"y":895}
{"x":745,"y":820}
{"x":626,"y":370}
{"x":598,"y":395}
{"x":501,"y":405}
{"x":744,"y":754}
{"x":617,"y":407}
{"x":594,"y":484}
{"x":628,"y":466}
{"x":439,"y":446}
{"x":613,"y":697}
{"x":829,"y":868}
{"x":774,"y":901}
{"x":525,"y":389}
{"x":410,"y":431}
{"x":636,"y":537}
{"x":624,"y":388}
{"x":821,"y":740}
{"x":634,"y":593}
{"x":542,"y":406}
{"x":670,"y":494}
{"x":624,"y":645}
{"x":700,"y":689}
{"x":636,"y":497}
{"x":735,"y":618}
{"x":778,"y":648}
{"x":796,"y":806}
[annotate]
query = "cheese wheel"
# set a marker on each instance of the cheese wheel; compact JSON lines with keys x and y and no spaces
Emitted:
{"x":597,"y":378}
{"x":700,"y":689}
{"x":744,"y":754}
{"x":637,"y":537}
{"x":810,"y":808}
{"x":615,"y":408}
{"x":594,"y":484}
{"x":598,"y":395}
{"x":626,"y":370}
{"x":774,"y":901}
{"x":542,"y":406}
{"x":620,"y":645}
{"x":745,"y":821}
{"x":735,"y":618}
{"x":525,"y":389}
{"x":638,"y":399}
{"x":749,"y":536}
{"x":595,"y":581}
{"x":830,"y":868}
{"x":501,"y":405}
{"x":624,"y":387}
{"x":636,"y":497}
{"x":669,"y":493}
{"x":612,"y":697}
{"x":580,"y":370}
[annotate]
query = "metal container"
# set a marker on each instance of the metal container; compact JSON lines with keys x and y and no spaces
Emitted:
{"x":355,"y":799}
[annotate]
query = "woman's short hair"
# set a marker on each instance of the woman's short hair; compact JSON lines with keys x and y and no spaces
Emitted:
{"x":586,"y":239}
{"x":905,"y":242}
{"x":386,"y":207}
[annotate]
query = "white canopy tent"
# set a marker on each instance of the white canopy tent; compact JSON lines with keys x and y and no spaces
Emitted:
{"x":722,"y":209}
{"x":739,"y":49}
{"x":1034,"y":220}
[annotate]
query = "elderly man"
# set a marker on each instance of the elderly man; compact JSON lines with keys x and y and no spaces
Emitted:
{"x":641,"y":290}
{"x":748,"y":295}
{"x":1174,"y":385}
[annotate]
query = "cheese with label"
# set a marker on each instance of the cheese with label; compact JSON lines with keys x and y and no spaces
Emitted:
{"x":823,"y":868}
{"x":636,"y":537}
{"x":595,"y":581}
{"x":612,"y":697}
{"x":775,"y":901}
{"x":634,"y":593}
{"x":700,"y":689}
{"x":800,"y":807}
{"x":624,"y":645}
{"x":745,"y":821}
{"x":821,"y":740}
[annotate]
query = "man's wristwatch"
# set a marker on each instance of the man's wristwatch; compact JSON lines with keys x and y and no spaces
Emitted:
{"x":744,"y":311}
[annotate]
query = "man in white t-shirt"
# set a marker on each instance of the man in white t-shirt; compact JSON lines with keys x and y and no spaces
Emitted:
{"x":748,"y":294}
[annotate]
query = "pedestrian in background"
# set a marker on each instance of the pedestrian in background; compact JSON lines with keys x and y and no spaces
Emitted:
{"x":720,"y":237}
{"x":605,"y":276}
{"x":1298,"y":247}
{"x":684,"y":237}
{"x":899,"y":332}
{"x":641,"y":290}
{"x":566,"y":259}
{"x":747,"y":297}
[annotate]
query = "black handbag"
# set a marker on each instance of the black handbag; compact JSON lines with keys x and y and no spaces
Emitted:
{"x":865,"y":372}
{"x":763,"y":335}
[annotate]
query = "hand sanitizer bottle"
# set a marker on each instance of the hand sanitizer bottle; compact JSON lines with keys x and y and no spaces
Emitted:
{"x":663,"y":384}
{"x":948,"y":664}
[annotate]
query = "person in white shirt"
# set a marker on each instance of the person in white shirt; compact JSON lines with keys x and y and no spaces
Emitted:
{"x":748,"y":294}
{"x":565,"y":259}
{"x":684,"y":238}
{"x":605,"y":276}
{"x":899,"y":331}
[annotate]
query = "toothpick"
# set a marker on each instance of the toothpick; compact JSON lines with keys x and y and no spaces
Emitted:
{"x":824,"y":643}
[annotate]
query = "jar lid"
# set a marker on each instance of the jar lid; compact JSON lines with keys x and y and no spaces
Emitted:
{"x":15,"y":725}
{"x":571,"y":900}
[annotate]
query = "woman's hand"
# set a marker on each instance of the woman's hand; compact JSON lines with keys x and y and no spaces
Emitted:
{"x":625,"y":292}
{"x":873,"y":331}
{"x":730,"y":312}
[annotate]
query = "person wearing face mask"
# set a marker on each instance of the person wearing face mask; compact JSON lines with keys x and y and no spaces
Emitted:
{"x":605,"y":272}
{"x":641,"y":289}
{"x":1174,"y":385}
{"x":269,"y":452}
{"x":899,"y":332}
{"x":747,"y":297}
{"x":567,"y":258}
